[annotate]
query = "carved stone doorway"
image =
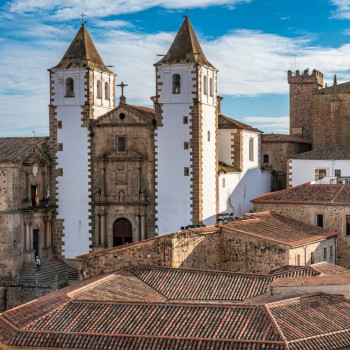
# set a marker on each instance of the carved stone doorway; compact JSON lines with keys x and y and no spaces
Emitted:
{"x":122,"y":232}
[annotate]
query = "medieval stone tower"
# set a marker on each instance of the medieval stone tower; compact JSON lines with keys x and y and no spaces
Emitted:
{"x":186,"y":139}
{"x":302,"y":86}
{"x":81,"y":89}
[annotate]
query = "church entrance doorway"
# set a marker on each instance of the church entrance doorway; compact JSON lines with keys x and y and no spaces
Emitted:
{"x":36,"y":241}
{"x":122,"y":232}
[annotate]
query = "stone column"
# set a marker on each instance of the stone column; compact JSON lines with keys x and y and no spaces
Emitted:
{"x":28,"y":239}
{"x":103,"y":180}
{"x":136,"y":232}
{"x":48,"y":239}
{"x":103,"y":229}
{"x":143,"y":227}
{"x":97,"y":230}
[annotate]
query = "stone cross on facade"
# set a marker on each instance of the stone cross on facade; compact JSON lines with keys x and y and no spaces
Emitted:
{"x":122,"y":97}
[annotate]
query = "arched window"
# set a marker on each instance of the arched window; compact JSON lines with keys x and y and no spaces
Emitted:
{"x":106,"y":91}
{"x":69,"y":87}
{"x":251,"y":149}
{"x":176,"y":84}
{"x":99,"y":89}
{"x":211,"y":87}
{"x":266,"y":158}
{"x":205,"y":85}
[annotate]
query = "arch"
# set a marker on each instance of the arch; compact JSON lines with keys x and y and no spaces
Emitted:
{"x":205,"y":85}
{"x":176,"y":84}
{"x":266,"y":158}
{"x":106,"y":91}
{"x":122,"y":232}
{"x":99,"y":89}
{"x":69,"y":88}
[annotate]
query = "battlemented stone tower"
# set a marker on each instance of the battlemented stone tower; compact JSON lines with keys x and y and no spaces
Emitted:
{"x":186,"y":139}
{"x":302,"y":87}
{"x":81,"y":89}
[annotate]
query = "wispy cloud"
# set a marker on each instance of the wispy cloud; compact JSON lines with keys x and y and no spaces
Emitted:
{"x":67,"y":9}
{"x":342,"y":9}
{"x":278,"y":125}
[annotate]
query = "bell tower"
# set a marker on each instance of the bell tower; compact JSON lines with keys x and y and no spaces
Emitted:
{"x":81,"y":88}
{"x":186,"y":139}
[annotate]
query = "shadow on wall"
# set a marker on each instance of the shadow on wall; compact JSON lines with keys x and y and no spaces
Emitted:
{"x":240,"y":189}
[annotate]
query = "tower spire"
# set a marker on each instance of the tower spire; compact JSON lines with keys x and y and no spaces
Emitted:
{"x":185,"y":47}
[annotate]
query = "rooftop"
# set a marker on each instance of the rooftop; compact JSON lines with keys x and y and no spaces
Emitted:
{"x":318,"y":194}
{"x":13,"y":147}
{"x":278,"y":228}
{"x":229,"y":123}
{"x":282,"y":138}
{"x":138,"y":308}
{"x":337,"y":152}
{"x":82,"y":53}
{"x":185,"y":48}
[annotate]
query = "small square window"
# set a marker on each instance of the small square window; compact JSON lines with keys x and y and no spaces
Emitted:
{"x":325,"y":254}
{"x":186,"y":145}
{"x":59,"y":124}
{"x":319,"y":220}
{"x":186,"y":171}
{"x":59,"y":172}
{"x":208,"y":136}
{"x":60,"y":147}
{"x":331,"y":253}
{"x":185,"y":120}
{"x":312,"y":257}
{"x":121,"y":144}
{"x":298,"y":260}
{"x":223,"y":182}
{"x":337,"y":172}
{"x":347,"y":222}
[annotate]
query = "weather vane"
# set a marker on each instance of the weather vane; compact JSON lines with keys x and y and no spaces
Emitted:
{"x":186,"y":15}
{"x":83,"y":18}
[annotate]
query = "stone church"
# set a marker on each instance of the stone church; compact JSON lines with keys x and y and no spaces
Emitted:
{"x":110,"y":175}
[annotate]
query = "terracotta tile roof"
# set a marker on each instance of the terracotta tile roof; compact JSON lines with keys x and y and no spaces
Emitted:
{"x":337,"y":152}
{"x":146,"y":111}
{"x":324,"y":274}
{"x":185,"y":48}
{"x":315,"y":322}
{"x":82,"y":53}
{"x":178,"y":284}
{"x":229,"y":123}
{"x":89,"y":315}
{"x":323,"y":194}
{"x":282,"y":138}
{"x":13,"y":147}
{"x":278,"y":228}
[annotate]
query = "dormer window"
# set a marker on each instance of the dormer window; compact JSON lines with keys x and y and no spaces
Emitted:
{"x":69,"y":88}
{"x":106,"y":91}
{"x":211,"y":87}
{"x":205,"y":85}
{"x":99,"y":89}
{"x":176,"y":84}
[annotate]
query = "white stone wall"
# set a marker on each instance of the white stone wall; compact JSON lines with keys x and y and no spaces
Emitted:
{"x":174,"y":205}
{"x":73,"y":187}
{"x":317,"y":248}
{"x":303,"y":170}
{"x":173,"y":188}
{"x":237,"y":189}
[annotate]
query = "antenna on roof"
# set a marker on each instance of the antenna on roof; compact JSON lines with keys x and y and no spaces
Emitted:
{"x":33,"y":132}
{"x":83,"y":18}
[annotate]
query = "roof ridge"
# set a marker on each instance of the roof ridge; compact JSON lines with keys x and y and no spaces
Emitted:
{"x":337,"y":195}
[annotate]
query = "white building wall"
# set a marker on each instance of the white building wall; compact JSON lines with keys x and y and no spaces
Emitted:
{"x":73,"y":187}
{"x":209,"y":164}
{"x":173,"y":188}
{"x":237,"y":189}
{"x":303,"y":170}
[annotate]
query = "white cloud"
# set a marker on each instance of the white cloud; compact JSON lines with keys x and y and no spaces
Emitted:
{"x":67,"y":9}
{"x":342,"y":9}
{"x":278,"y":125}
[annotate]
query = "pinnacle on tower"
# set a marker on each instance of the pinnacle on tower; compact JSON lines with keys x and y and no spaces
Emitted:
{"x":185,"y":48}
{"x":82,"y":53}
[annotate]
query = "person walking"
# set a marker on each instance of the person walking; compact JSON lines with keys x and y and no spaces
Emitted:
{"x":38,"y":263}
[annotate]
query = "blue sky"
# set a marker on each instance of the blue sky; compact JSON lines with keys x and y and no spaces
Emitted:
{"x":252,"y":42}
